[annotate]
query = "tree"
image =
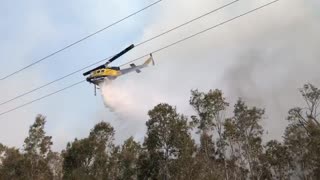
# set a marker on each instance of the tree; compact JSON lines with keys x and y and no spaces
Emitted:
{"x":2,"y":151}
{"x":55,"y":164}
{"x":77,"y":159}
{"x":128,"y":159}
{"x":168,"y":143}
{"x":302,"y":136}
{"x":102,"y":137}
{"x":237,"y":165}
{"x":89,"y":158}
{"x":37,"y":147}
{"x":229,"y":148}
{"x":245,"y":134}
{"x":12,"y":164}
{"x":2,"y":148}
{"x":277,"y":160}
{"x":210,"y":109}
{"x":34,"y":161}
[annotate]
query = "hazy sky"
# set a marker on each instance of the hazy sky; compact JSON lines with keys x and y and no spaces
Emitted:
{"x":264,"y":58}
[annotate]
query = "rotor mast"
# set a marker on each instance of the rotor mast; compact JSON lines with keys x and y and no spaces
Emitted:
{"x":111,"y":60}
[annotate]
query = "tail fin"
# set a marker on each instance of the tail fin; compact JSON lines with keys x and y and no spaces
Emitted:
{"x":149,"y":60}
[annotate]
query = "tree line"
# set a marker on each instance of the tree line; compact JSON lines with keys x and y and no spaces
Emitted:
{"x":209,"y":145}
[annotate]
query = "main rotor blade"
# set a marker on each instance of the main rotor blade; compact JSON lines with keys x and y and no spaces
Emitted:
{"x":111,"y":60}
{"x":120,"y":54}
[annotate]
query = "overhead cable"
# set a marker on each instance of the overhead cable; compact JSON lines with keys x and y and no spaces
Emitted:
{"x":158,"y":50}
{"x":38,"y":99}
{"x":78,"y":41}
{"x":100,"y":61}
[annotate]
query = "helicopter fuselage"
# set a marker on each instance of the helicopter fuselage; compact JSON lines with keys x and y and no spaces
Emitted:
{"x":98,"y":75}
{"x":101,"y":73}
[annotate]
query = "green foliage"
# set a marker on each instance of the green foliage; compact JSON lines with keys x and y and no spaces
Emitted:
{"x":168,"y":142}
{"x":37,"y":147}
{"x":12,"y":165}
{"x":229,"y":148}
{"x":277,"y":159}
{"x":37,"y":143}
{"x":34,"y":162}
{"x":208,"y":107}
{"x":128,"y":159}
{"x":302,"y":136}
{"x":244,"y":133}
{"x":89,"y":158}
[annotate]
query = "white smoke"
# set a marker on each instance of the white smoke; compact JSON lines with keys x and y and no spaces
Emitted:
{"x":263,"y":57}
{"x":118,"y":98}
{"x":128,"y":99}
{"x":130,"y":106}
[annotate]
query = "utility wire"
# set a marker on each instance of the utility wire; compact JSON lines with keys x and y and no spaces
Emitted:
{"x":158,"y":50}
{"x":188,"y":22}
{"x":203,"y":31}
{"x":51,"y":82}
{"x":139,"y":44}
{"x":80,"y":40}
{"x":38,"y":99}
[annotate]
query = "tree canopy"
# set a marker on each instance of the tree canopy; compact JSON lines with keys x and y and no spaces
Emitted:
{"x":210,"y":144}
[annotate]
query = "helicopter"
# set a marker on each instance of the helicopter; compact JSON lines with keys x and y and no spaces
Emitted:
{"x":99,"y":74}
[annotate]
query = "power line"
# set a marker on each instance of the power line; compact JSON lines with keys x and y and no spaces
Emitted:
{"x":203,"y":31}
{"x":188,"y":22}
{"x":139,"y":44}
{"x":38,"y":99}
{"x":158,"y":50}
{"x":51,"y":82}
{"x":80,"y":40}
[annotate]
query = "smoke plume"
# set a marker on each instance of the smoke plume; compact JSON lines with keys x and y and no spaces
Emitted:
{"x":263,"y":58}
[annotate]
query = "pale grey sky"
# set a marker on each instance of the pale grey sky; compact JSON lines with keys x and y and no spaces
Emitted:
{"x":263,"y":57}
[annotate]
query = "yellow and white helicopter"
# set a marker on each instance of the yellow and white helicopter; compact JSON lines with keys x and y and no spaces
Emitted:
{"x":100,"y":73}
